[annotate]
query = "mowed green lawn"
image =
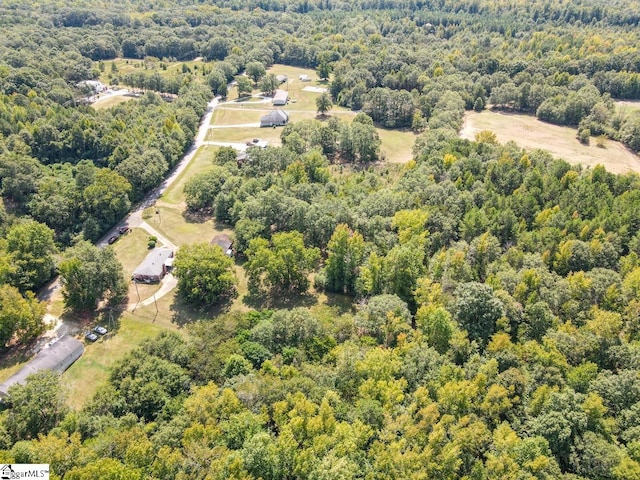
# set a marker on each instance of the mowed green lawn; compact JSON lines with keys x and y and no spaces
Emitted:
{"x":397,"y":145}
{"x":238,"y":116}
{"x":245,"y":134}
{"x":126,"y":333}
{"x":202,"y":161}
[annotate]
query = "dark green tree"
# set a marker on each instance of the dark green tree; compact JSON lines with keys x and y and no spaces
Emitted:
{"x":205,"y":274}
{"x":35,"y":407}
{"x":323,"y":103}
{"x":282,"y":264}
{"x":31,"y":248}
{"x":20,"y":317}
{"x":477,"y":309}
{"x":90,"y":275}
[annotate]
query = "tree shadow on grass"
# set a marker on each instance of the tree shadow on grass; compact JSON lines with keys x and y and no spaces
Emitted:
{"x":342,"y":303}
{"x":201,"y":216}
{"x":184,"y":313}
{"x":279,"y":300}
{"x":10,"y":356}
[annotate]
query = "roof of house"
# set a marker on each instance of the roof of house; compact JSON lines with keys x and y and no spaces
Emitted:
{"x":223,"y":241}
{"x":153,"y":264}
{"x":275,"y":116}
{"x":58,"y":356}
{"x":280,"y":96}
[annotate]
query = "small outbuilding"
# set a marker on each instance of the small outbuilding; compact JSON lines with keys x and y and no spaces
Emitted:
{"x":225,"y":242}
{"x":58,"y":356}
{"x":154,"y":267}
{"x":274,"y":118}
{"x":281,"y":97}
{"x":281,"y":78}
{"x":304,"y":78}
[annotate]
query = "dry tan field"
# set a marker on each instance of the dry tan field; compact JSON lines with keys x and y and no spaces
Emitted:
{"x":531,"y":133}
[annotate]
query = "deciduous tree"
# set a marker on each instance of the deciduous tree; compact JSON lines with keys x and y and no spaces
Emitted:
{"x":89,"y":275}
{"x":205,"y":274}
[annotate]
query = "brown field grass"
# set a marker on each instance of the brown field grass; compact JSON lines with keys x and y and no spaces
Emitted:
{"x":531,"y":133}
{"x":109,"y":102}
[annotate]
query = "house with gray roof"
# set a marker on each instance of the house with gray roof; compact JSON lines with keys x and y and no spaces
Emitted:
{"x":281,"y":97}
{"x":58,"y":356}
{"x":274,"y":118}
{"x":154,"y":267}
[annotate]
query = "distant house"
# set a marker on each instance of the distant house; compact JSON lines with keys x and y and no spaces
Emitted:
{"x":225,"y":243}
{"x":274,"y":118}
{"x":155,"y":266}
{"x":280,"y":97}
{"x":304,"y":78}
{"x":59,"y":356}
{"x":281,"y":78}
{"x":94,"y":85}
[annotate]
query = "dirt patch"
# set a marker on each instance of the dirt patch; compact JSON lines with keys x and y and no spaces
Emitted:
{"x":530,"y":133}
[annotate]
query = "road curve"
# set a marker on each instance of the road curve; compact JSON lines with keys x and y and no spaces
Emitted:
{"x":134,"y":219}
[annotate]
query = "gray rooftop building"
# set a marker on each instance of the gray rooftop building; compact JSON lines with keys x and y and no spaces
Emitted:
{"x":154,"y":267}
{"x":280,"y":97}
{"x":58,"y":356}
{"x":273,"y":118}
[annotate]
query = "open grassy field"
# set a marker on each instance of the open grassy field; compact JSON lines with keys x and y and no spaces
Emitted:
{"x":244,"y":134}
{"x":239,"y":116}
{"x":530,"y":133}
{"x":397,"y":145}
{"x":131,"y":65}
{"x":202,"y":160}
{"x":630,"y":106}
{"x":108,"y":102}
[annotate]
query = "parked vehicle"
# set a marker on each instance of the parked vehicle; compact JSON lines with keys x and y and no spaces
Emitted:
{"x":100,"y":330}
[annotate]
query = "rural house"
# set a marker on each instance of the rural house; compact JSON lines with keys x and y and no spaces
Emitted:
{"x":274,"y":118}
{"x":58,"y":356}
{"x":154,"y":267}
{"x":280,"y":97}
{"x":225,"y":243}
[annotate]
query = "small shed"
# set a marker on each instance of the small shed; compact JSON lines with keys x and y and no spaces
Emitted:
{"x":58,"y":356}
{"x":274,"y":118}
{"x":304,"y":78}
{"x":224,"y":241}
{"x":280,"y":97}
{"x":154,"y":267}
{"x":281,"y":78}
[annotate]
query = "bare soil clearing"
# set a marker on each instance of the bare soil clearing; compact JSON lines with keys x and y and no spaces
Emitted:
{"x":531,"y":133}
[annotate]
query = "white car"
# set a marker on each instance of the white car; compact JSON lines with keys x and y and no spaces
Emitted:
{"x":100,"y":330}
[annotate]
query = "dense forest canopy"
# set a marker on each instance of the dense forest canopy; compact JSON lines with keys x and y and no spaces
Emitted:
{"x":494,"y":294}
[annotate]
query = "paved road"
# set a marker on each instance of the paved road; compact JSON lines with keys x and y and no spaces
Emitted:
{"x":57,"y":327}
